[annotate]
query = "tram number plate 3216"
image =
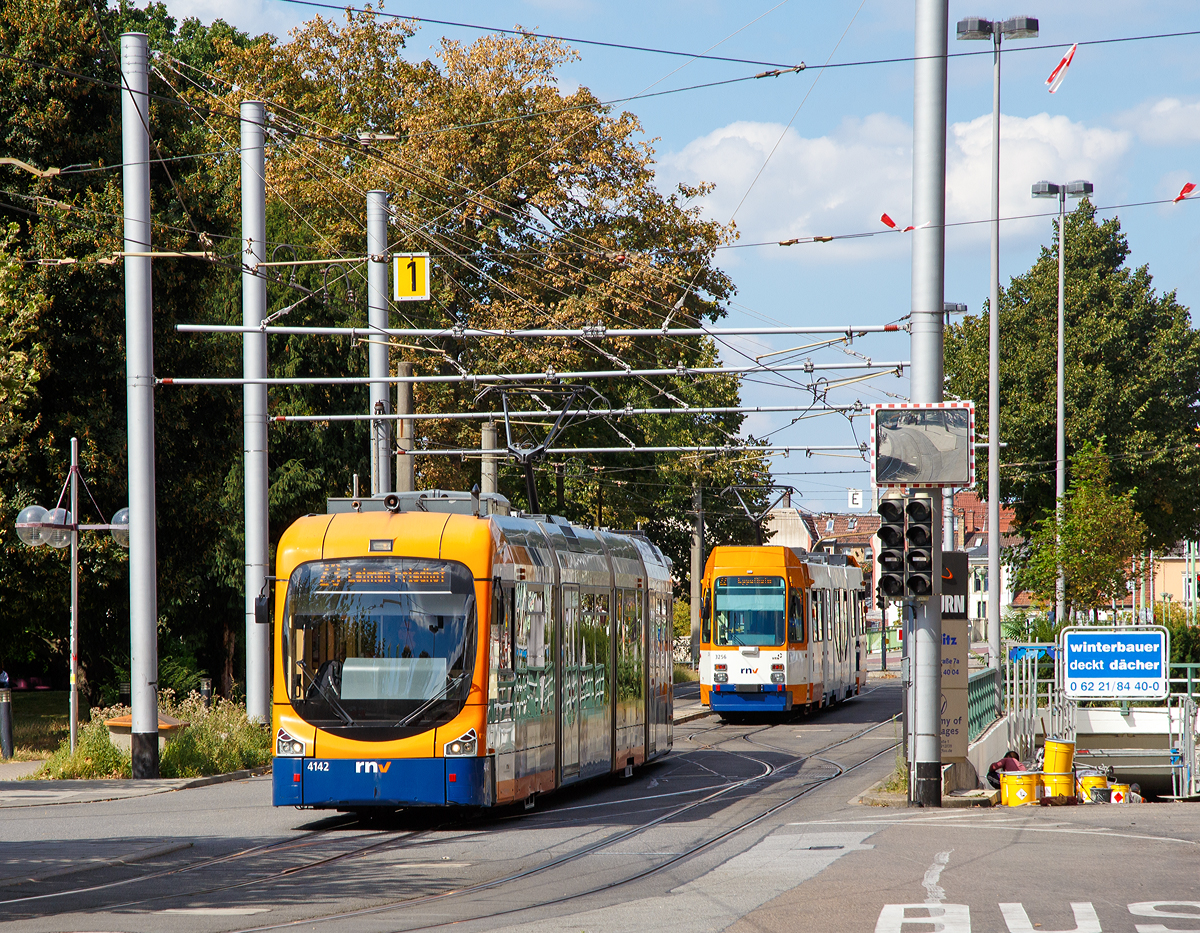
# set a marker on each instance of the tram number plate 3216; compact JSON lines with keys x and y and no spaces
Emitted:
{"x":1115,"y":664}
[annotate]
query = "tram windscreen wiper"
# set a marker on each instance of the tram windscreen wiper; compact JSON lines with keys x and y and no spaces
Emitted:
{"x":450,"y":682}
{"x":322,"y":689}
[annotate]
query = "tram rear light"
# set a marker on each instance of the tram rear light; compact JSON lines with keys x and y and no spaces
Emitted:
{"x":776,"y":667}
{"x":719,"y":667}
{"x":465,"y":746}
{"x":287,"y":745}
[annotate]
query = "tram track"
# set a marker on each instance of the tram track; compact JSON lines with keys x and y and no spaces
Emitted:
{"x":609,"y":841}
{"x":710,"y":794}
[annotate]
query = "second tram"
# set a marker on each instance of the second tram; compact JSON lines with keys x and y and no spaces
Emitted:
{"x":780,"y":629}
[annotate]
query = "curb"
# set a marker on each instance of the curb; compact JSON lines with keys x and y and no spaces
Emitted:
{"x":225,"y":778}
{"x":691,"y":717}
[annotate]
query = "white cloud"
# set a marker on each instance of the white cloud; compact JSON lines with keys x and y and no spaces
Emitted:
{"x":1031,"y":149}
{"x":1166,"y":122}
{"x":831,"y":184}
{"x":842,"y":182}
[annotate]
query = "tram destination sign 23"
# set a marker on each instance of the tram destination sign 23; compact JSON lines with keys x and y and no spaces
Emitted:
{"x":1115,"y":664}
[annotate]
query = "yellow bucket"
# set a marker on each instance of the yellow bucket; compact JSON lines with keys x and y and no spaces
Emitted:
{"x":1120,"y":793}
{"x":1057,"y":756}
{"x":1018,"y":788}
{"x":1087,"y":782}
{"x":1058,"y":785}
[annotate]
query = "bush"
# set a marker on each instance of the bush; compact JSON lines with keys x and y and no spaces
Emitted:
{"x":217,"y":740}
{"x":95,"y":755}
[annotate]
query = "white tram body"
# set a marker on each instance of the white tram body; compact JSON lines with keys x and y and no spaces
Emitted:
{"x":780,"y":629}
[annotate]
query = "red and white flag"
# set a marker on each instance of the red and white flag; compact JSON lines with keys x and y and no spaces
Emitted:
{"x":1054,"y":82}
{"x":888,"y":221}
{"x":1184,"y":192}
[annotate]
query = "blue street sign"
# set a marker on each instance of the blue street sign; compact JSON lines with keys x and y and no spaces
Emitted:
{"x":1115,"y":664}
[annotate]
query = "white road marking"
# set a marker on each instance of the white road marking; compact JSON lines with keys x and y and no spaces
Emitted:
{"x":945,"y":918}
{"x":217,"y":911}
{"x":933,"y":891}
{"x":1018,"y":920}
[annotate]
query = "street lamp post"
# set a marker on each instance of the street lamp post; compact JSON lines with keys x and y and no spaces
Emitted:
{"x":1048,"y":189}
{"x":1018,"y":27}
{"x":59,"y":528}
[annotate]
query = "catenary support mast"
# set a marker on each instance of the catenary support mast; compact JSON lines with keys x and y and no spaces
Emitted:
{"x":254,"y":406}
{"x":139,"y":381}
{"x":928,"y":268}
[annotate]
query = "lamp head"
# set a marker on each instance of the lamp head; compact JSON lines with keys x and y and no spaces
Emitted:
{"x":1046,"y":189}
{"x":1020,"y":27}
{"x":1079,"y":188}
{"x":33,"y":537}
{"x":975,"y":27}
{"x":121,"y":532}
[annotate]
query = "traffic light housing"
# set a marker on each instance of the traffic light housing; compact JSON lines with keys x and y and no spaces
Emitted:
{"x":891,"y":552}
{"x":918,"y":547}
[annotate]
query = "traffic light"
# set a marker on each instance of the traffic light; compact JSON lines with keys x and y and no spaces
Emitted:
{"x":918,"y":548}
{"x":891,"y":554}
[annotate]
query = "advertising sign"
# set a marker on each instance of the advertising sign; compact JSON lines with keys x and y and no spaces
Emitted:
{"x":923,"y":445}
{"x":1115,"y":664}
{"x":954,"y":584}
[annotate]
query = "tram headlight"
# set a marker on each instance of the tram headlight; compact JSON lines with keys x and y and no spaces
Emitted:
{"x":465,"y":746}
{"x":720,"y":678}
{"x":777,"y":678}
{"x":287,"y":745}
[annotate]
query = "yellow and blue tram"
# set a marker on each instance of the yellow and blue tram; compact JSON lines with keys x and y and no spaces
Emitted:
{"x":780,"y":629}
{"x":431,"y":649}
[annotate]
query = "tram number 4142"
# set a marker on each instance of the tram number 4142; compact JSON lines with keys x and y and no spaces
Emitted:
{"x":318,"y":766}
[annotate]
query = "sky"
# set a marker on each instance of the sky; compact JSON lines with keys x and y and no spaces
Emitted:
{"x":827,"y":151}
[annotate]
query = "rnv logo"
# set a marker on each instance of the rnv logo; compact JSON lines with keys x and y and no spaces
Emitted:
{"x":371,"y":767}
{"x":749,"y":670}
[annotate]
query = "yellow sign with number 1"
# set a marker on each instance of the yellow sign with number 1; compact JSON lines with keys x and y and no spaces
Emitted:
{"x":411,"y":276}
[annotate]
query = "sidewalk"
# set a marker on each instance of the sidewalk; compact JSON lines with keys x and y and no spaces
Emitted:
{"x":14,"y":793}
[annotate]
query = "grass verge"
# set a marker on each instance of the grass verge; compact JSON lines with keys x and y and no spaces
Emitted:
{"x":685,"y":675}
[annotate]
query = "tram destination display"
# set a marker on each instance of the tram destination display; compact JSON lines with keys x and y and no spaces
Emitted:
{"x":923,"y":445}
{"x":1115,"y":664}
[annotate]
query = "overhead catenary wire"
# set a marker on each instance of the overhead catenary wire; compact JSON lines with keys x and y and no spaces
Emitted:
{"x":548,"y":375}
{"x":571,"y":413}
{"x":597,"y":332}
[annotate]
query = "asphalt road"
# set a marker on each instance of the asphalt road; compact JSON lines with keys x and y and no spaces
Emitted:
{"x":745,"y":827}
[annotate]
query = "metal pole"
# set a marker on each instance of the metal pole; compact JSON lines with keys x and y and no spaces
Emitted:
{"x":993,"y":538}
{"x":74,"y":591}
{"x":406,"y":480}
{"x":928,"y":294}
{"x":139,"y":382}
{"x":378,"y":351}
{"x":254,"y":406}
{"x":490,"y":472}
{"x":1060,"y":466}
{"x":697,"y":570}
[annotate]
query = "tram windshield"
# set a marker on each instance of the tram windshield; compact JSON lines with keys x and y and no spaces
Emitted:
{"x":382,"y":642}
{"x":750,"y":611}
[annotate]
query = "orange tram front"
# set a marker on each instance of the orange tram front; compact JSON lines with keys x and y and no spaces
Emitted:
{"x":780,"y":628}
{"x":433,"y":650}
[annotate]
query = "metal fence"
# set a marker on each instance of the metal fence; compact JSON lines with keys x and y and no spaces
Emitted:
{"x":983,"y":697}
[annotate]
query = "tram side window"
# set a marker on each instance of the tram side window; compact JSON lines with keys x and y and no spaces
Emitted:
{"x":796,"y":616}
{"x":502,"y":626}
{"x":826,"y":615}
{"x":814,"y":615}
{"x":706,"y":617}
{"x":532,"y":619}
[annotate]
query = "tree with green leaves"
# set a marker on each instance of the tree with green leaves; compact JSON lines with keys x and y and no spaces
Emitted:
{"x":1132,"y":369}
{"x":1092,"y":536}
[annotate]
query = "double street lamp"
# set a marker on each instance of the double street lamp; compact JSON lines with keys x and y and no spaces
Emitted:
{"x":58,"y":528}
{"x":976,"y":27}
{"x":1072,"y":189}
